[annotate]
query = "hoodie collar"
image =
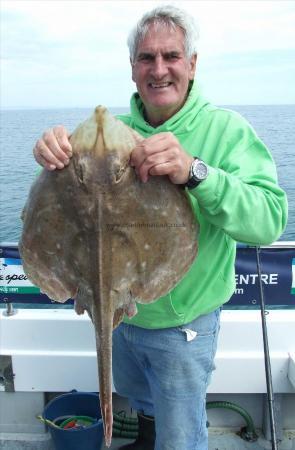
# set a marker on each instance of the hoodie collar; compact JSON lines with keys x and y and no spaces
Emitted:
{"x":179,"y":123}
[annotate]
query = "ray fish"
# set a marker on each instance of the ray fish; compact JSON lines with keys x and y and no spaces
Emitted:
{"x":94,"y":232}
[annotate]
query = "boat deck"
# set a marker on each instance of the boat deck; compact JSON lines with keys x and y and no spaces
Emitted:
{"x":219,"y":439}
{"x":222,"y":439}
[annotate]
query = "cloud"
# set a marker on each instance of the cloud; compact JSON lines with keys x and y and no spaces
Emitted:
{"x":56,"y":51}
{"x":241,"y":26}
{"x":256,"y":77}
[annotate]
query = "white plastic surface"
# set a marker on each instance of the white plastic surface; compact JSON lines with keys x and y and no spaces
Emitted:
{"x":54,"y":350}
{"x":291,"y":369}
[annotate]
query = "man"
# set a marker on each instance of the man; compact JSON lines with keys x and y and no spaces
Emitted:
{"x":163,"y":356}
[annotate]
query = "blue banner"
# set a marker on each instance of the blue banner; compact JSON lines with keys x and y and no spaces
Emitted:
{"x":277,"y":275}
{"x":277,"y":269}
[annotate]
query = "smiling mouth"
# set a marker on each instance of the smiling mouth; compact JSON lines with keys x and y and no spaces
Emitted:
{"x":160,"y":85}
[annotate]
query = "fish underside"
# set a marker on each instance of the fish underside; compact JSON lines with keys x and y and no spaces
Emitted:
{"x":94,"y":232}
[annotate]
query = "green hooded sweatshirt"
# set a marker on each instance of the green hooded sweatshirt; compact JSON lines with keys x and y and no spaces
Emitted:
{"x":239,"y":201}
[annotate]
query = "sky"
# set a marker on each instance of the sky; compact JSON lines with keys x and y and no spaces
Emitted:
{"x":73,"y":53}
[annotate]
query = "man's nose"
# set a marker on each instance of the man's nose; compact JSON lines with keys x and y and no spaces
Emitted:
{"x":159,"y":67}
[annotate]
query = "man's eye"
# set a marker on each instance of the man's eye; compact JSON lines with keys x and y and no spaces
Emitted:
{"x":145,"y":58}
{"x":172,"y":56}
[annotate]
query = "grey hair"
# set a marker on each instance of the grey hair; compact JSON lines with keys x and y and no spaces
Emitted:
{"x":169,"y":16}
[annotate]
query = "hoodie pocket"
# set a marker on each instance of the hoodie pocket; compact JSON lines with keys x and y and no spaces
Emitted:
{"x":171,"y":311}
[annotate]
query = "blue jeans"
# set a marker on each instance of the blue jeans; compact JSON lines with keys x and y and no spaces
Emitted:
{"x":165,"y":374}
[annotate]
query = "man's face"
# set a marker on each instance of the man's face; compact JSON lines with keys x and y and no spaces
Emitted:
{"x":162,"y":72}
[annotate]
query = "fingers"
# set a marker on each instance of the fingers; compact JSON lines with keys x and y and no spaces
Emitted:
{"x":148,"y":153}
{"x":53,"y":150}
{"x":154,"y":165}
{"x":46,"y":157}
{"x":43,"y":162}
{"x":149,"y":146}
{"x":62,"y":138}
{"x":161,"y":154}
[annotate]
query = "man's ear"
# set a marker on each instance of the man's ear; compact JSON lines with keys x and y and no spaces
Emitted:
{"x":193,"y":64}
{"x":132,"y":69}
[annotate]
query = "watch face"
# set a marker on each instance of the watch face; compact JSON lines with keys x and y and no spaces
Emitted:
{"x":200,"y":170}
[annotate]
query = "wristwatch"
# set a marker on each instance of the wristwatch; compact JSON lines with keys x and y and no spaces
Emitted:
{"x":198,"y":173}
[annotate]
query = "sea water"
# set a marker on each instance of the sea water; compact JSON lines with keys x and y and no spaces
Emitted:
{"x":20,"y":130}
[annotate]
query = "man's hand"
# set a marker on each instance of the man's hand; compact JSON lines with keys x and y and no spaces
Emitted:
{"x":161,"y":154}
{"x":53,"y":150}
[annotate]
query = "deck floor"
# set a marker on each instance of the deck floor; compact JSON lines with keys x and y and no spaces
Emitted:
{"x":221,"y":439}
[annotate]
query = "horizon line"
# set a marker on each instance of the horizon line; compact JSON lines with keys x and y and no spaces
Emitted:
{"x":32,"y":108}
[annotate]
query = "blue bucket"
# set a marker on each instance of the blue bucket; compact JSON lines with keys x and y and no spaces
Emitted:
{"x":76,"y":404}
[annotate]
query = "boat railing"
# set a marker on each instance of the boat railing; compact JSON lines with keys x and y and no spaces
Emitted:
{"x":278,"y":277}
